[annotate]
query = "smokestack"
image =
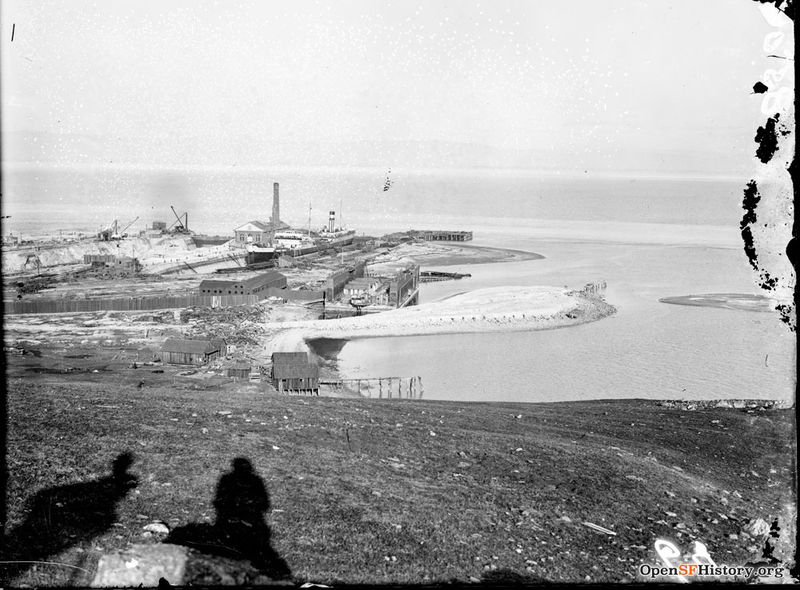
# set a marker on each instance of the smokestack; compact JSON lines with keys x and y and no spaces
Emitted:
{"x":331,"y":221}
{"x":276,"y":206}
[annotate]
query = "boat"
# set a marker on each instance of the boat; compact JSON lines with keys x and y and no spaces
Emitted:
{"x":336,"y":238}
{"x":294,"y":243}
{"x":202,"y":240}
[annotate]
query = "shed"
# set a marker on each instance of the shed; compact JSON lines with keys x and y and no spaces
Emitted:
{"x":292,"y":372}
{"x":239,"y":369}
{"x":189,"y":352}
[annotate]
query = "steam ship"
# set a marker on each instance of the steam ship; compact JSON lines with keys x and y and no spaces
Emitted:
{"x":335,"y":237}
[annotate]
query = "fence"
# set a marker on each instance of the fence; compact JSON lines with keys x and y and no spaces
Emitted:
{"x":149,"y":303}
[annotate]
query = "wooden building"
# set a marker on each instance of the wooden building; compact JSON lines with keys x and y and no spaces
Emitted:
{"x":252,"y":286}
{"x":292,"y":372}
{"x":239,"y":369}
{"x":190,"y":352}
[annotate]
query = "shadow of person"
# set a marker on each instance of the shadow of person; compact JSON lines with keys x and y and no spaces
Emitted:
{"x":240,"y":530}
{"x":63,"y":516}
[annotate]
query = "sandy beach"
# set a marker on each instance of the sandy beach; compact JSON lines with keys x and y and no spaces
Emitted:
{"x":496,"y":309}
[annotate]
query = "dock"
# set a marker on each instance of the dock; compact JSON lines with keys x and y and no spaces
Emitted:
{"x":432,"y":276}
{"x":380,"y":387}
{"x":440,"y":235}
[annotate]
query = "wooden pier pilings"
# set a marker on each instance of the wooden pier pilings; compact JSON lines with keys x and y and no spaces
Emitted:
{"x":380,"y":387}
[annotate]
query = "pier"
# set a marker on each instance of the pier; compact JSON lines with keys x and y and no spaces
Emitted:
{"x":431,"y":276}
{"x":446,"y":235}
{"x":379,"y":387}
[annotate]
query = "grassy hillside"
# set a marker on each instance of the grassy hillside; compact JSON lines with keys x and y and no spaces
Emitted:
{"x":411,"y":491}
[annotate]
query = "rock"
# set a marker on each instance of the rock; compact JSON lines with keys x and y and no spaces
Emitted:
{"x":141,"y":565}
{"x":145,"y":565}
{"x":565,"y":518}
{"x":157,"y":527}
{"x":758,"y":528}
{"x":670,"y":514}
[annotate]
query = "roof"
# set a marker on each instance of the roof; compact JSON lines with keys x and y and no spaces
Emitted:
{"x":240,"y":365}
{"x":253,"y":226}
{"x":261,"y":279}
{"x":363,"y":282}
{"x":298,"y":371}
{"x":289,"y":358}
{"x":190,"y":346}
{"x":267,"y":277}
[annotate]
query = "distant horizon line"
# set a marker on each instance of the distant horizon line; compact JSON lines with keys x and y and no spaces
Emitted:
{"x":327,"y":169}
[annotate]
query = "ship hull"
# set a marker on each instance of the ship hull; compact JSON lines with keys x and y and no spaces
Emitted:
{"x":258,"y":255}
{"x":338,"y":241}
{"x":204,"y":241}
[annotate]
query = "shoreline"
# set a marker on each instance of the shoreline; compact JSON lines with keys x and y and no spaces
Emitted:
{"x":484,"y":311}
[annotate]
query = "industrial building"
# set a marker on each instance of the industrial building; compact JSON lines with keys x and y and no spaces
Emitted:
{"x":258,"y":232}
{"x":191,"y":352}
{"x":252,"y":286}
{"x":404,"y":285}
{"x":292,"y":372}
{"x":334,"y":284}
{"x":118,"y":264}
{"x":99,"y":259}
{"x":252,"y":232}
{"x":360,"y":287}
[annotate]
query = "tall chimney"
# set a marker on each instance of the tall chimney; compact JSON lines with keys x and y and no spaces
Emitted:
{"x":331,"y":221}
{"x":276,"y":206}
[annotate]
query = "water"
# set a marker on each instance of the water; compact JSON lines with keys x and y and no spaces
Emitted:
{"x":647,"y":350}
{"x":648,"y":238}
{"x":219,"y":200}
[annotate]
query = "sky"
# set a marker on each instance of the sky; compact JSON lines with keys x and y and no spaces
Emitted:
{"x":659,"y":87}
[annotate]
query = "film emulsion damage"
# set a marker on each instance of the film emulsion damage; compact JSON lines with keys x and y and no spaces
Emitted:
{"x":767,"y":233}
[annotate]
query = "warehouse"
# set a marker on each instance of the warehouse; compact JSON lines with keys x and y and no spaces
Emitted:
{"x":252,"y":286}
{"x":191,"y":352}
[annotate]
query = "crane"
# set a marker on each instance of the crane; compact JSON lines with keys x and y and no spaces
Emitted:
{"x":183,"y":226}
{"x":119,"y":235}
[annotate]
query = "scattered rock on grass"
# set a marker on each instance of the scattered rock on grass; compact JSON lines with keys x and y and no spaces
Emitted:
{"x":158,"y":527}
